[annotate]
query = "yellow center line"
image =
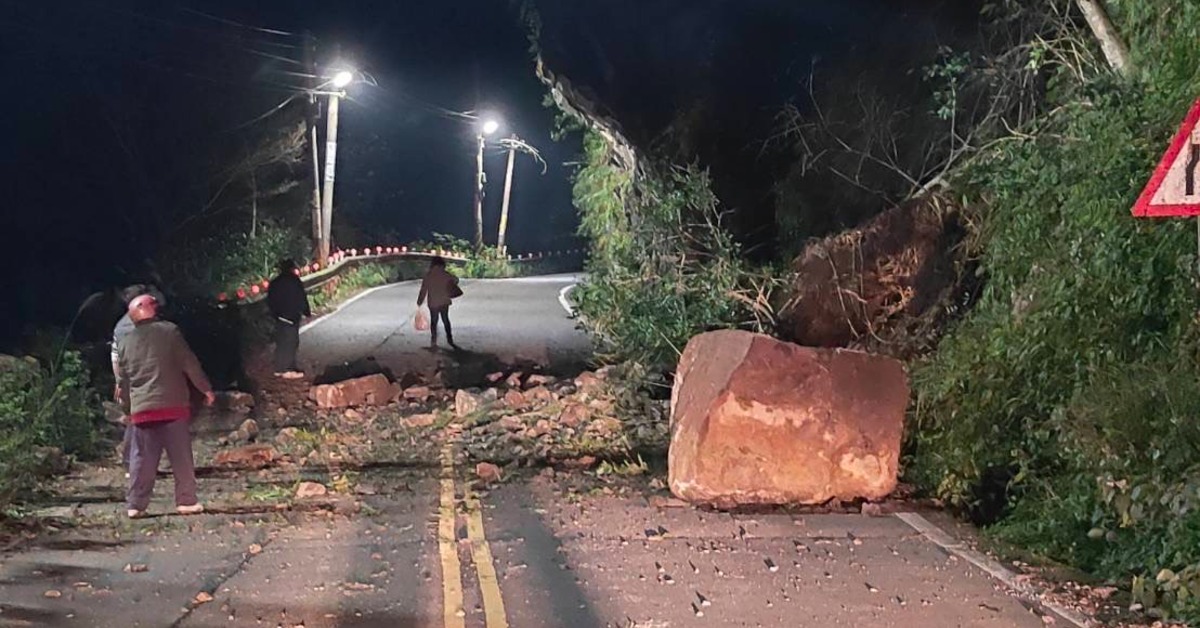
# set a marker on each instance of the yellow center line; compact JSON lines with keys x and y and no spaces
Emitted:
{"x":452,"y":592}
{"x":485,"y":569}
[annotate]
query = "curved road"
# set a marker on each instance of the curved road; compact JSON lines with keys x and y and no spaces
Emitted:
{"x":496,"y":321}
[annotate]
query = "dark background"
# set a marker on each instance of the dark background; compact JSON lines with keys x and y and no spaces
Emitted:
{"x":120,"y":113}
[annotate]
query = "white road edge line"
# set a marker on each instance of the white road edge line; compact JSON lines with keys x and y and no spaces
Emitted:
{"x":317,"y":321}
{"x":562,"y":299}
{"x":948,"y":543}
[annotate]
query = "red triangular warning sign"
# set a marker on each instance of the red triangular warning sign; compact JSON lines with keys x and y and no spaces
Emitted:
{"x":1174,"y":190}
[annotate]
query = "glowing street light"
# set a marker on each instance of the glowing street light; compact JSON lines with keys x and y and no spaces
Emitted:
{"x":342,"y":79}
{"x":490,"y":126}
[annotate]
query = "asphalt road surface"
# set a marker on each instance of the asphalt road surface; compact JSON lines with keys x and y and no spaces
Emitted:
{"x":502,"y":321}
{"x":428,"y":547}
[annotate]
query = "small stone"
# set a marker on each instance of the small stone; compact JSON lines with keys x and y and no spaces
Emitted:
{"x":203,"y":597}
{"x":488,"y":472}
{"x":255,"y":549}
{"x":352,"y":414}
{"x":495,"y":377}
{"x":136,"y":568}
{"x":52,"y":593}
{"x":465,"y":403}
{"x":421,"y":420}
{"x":310,"y":489}
{"x":771,"y":566}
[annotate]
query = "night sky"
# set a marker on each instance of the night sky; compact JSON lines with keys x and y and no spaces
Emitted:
{"x":121,"y":112}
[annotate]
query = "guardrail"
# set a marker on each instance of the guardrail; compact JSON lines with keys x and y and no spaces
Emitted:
{"x":315,"y":275}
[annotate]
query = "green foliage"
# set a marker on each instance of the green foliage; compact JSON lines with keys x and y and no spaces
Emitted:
{"x":38,"y":409}
{"x":227,"y":261}
{"x":356,"y":280}
{"x":1073,"y":380}
{"x":662,"y":269}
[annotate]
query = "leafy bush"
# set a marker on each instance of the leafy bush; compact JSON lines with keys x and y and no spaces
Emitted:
{"x":39,"y":409}
{"x":662,"y":269}
{"x":226,"y":262}
{"x":1065,"y":406}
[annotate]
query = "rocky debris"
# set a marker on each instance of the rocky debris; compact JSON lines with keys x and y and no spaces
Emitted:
{"x":514,"y":380}
{"x":247,"y":457}
{"x":495,"y":377}
{"x":421,"y":420}
{"x":308,"y":490}
{"x":247,"y":432}
{"x":589,"y":382}
{"x":371,"y":390}
{"x":541,"y":394}
{"x":50,"y":461}
{"x":203,"y":597}
{"x":573,"y":414}
{"x":287,"y":435}
{"x":234,"y":401}
{"x":533,"y":381}
{"x":488,"y":472}
{"x":759,"y":421}
{"x":515,"y":400}
{"x":419,"y":394}
{"x":466,"y":403}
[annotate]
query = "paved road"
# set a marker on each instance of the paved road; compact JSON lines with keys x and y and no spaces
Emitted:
{"x":431,"y":548}
{"x":495,"y":321}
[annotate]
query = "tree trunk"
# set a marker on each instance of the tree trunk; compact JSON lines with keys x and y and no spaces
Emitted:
{"x":1114,"y":48}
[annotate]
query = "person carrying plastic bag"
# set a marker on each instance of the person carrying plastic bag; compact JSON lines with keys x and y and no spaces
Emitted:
{"x":439,"y":288}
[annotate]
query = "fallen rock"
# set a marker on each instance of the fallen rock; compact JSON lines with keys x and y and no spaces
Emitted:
{"x":495,"y":377}
{"x":573,"y":414}
{"x":511,"y":423}
{"x":588,"y":382}
{"x":540,"y":394}
{"x":234,"y":400}
{"x":250,"y":427}
{"x":372,"y":390}
{"x":758,"y":421}
{"x":514,"y":380}
{"x":249,"y":457}
{"x":419,"y":394}
{"x":308,"y":490}
{"x":287,"y":435}
{"x":534,"y":381}
{"x":50,"y":461}
{"x":352,"y":414}
{"x":605,"y":426}
{"x":203,"y":597}
{"x":420,"y":420}
{"x":488,"y":472}
{"x":465,"y":403}
{"x":515,"y":400}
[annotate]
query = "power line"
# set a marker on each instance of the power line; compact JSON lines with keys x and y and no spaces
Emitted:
{"x":269,"y":31}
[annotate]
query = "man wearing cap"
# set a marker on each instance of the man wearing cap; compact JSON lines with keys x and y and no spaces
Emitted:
{"x":156,"y":365}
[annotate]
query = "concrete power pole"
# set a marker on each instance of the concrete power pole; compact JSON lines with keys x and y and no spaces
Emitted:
{"x":479,"y":179}
{"x":330,"y":159}
{"x":310,"y":65}
{"x":512,"y":152}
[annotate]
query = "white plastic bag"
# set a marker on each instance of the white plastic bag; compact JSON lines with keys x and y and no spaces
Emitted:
{"x":421,"y":320}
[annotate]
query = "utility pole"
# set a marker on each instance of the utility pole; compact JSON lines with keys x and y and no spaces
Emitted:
{"x":310,"y":65}
{"x":512,"y":153}
{"x":331,"y":119}
{"x":479,"y":179}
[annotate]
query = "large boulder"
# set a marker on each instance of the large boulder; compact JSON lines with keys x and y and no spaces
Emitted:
{"x":372,"y":390}
{"x":759,"y":421}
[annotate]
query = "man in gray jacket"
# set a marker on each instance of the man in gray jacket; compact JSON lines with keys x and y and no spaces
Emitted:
{"x":156,"y":366}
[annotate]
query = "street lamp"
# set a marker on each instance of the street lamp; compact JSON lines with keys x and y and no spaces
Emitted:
{"x":490,"y":125}
{"x":340,"y":80}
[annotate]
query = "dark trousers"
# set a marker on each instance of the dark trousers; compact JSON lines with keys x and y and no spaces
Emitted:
{"x":287,"y":343}
{"x":149,"y":442}
{"x":444,"y":313}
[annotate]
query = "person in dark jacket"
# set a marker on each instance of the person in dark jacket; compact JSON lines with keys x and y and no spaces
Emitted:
{"x":288,"y":303}
{"x":439,"y":287}
{"x":156,"y":367}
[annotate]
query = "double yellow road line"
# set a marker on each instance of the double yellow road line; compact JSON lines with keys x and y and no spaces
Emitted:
{"x":454,"y":615}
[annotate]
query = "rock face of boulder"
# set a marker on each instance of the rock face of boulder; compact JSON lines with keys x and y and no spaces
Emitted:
{"x":759,"y":421}
{"x":372,"y":390}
